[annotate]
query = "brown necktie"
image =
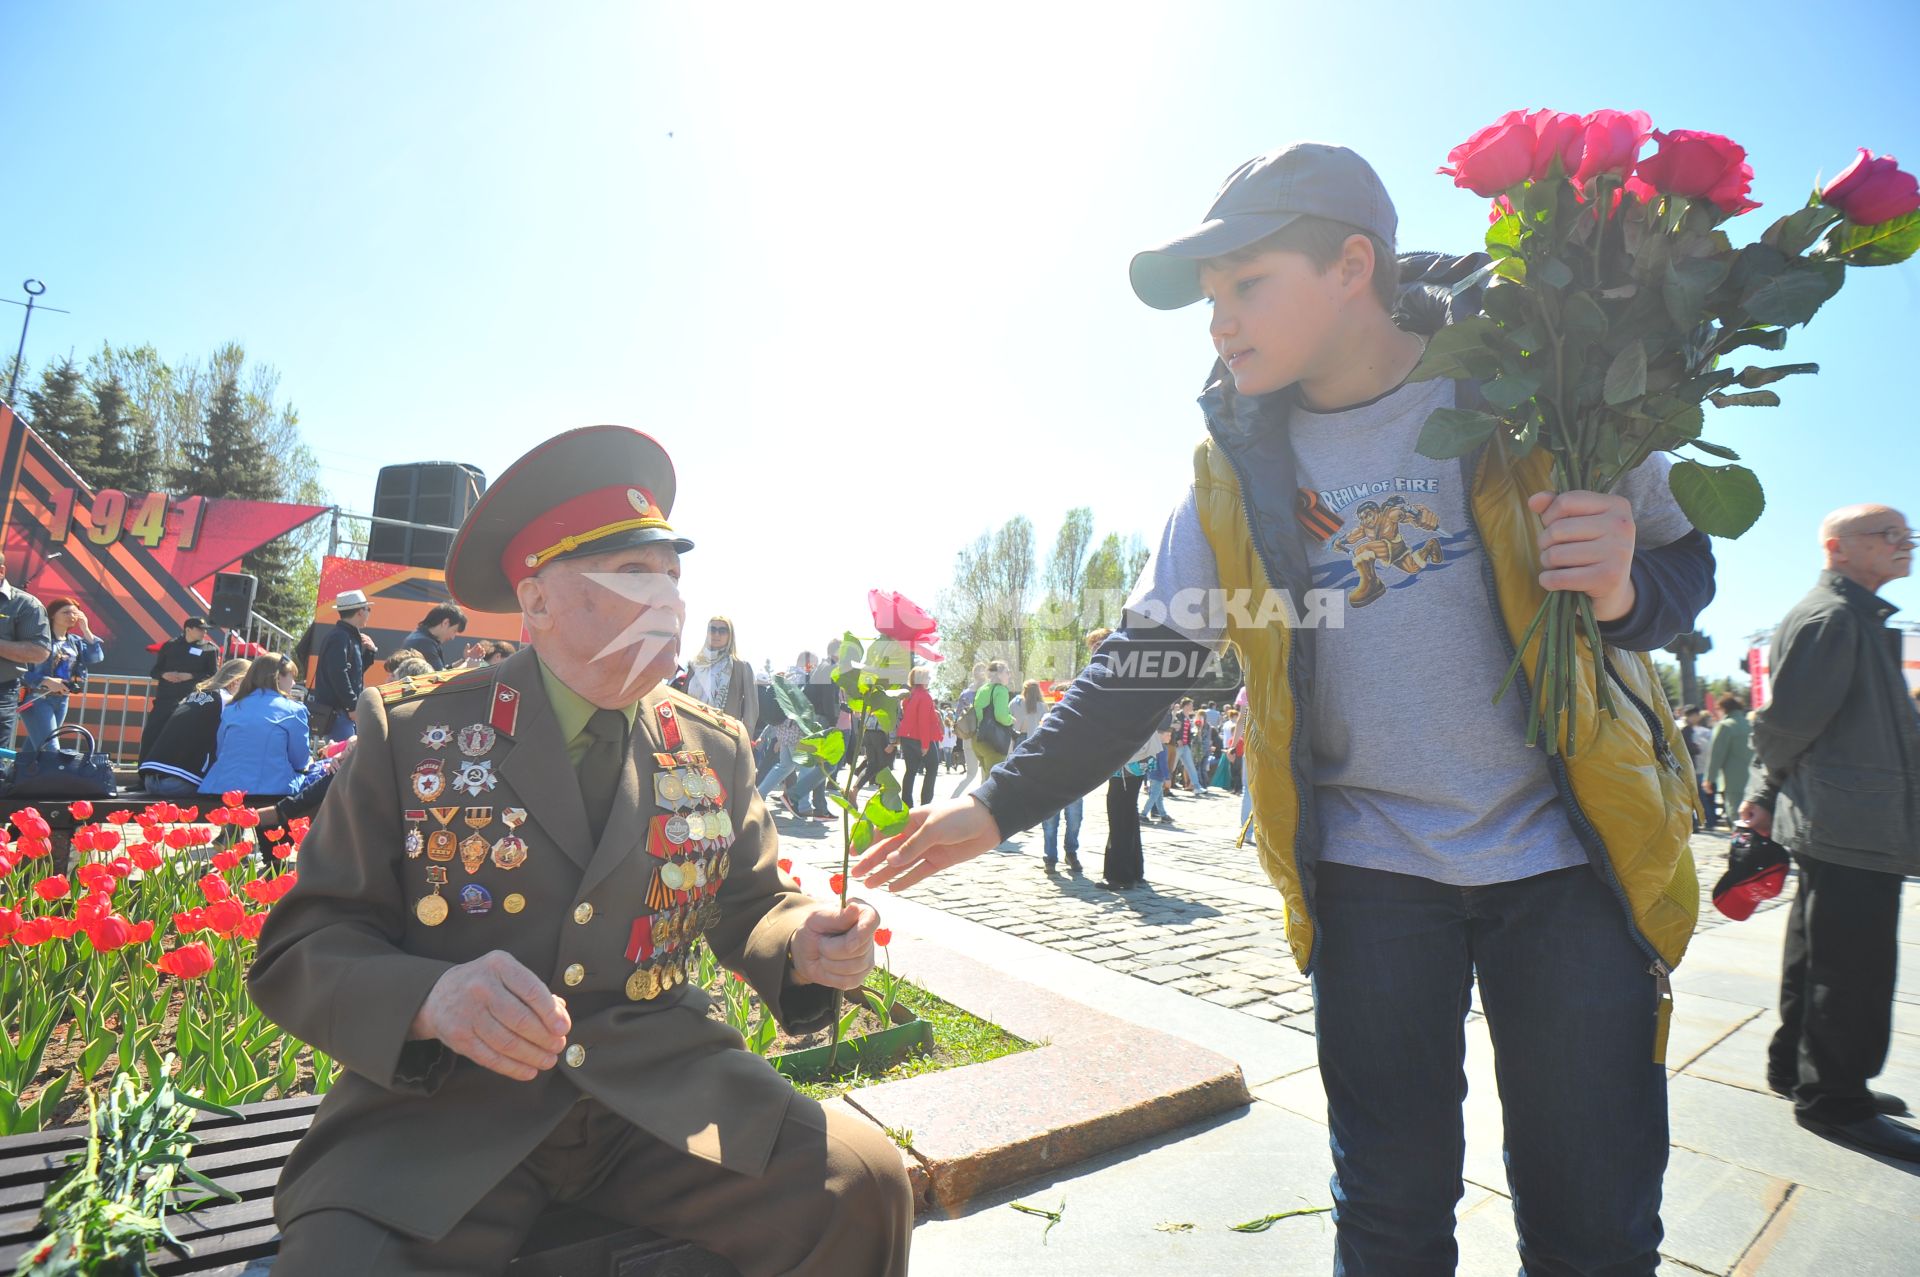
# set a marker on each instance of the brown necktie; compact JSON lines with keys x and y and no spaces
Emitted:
{"x":599,"y":769}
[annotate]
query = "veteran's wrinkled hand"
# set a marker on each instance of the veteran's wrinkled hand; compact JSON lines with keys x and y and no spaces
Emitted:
{"x":498,"y":1014}
{"x":834,"y":947}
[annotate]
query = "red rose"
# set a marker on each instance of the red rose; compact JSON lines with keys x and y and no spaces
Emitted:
{"x":9,"y":923}
{"x":233,"y":798}
{"x":226,"y":860}
{"x":1870,"y":191}
{"x":1496,"y":158}
{"x":1612,"y":143}
{"x":1556,"y":133}
{"x":81,"y":809}
{"x":52,"y":888}
{"x":188,"y":962}
{"x":225,"y":916}
{"x":34,"y":931}
{"x":899,"y":618}
{"x":1700,"y":166}
{"x":883,"y":937}
{"x":110,"y":932}
{"x":214,"y":887}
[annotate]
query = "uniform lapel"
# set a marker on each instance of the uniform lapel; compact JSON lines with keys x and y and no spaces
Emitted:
{"x":632,"y":801}
{"x":537,"y":767}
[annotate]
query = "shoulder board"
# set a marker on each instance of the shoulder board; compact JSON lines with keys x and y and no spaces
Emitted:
{"x":408,"y":689}
{"x":703,"y":712}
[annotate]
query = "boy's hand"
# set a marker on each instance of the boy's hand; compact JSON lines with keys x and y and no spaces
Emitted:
{"x":935,"y":837}
{"x":1586,"y":544}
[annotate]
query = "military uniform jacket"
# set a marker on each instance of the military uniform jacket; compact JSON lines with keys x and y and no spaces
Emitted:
{"x":413,"y":1135}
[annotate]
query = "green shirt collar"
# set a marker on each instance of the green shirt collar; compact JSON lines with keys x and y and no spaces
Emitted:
{"x":572,"y":709}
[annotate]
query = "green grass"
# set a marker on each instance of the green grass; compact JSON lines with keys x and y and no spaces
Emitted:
{"x":958,"y":1039}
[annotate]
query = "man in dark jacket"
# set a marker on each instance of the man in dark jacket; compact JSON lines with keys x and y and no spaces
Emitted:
{"x":341,"y":673}
{"x":181,"y":663}
{"x":1836,"y":773}
{"x":437,"y":628}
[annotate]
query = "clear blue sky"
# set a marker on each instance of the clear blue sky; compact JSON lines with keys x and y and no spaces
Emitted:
{"x":861,"y":269}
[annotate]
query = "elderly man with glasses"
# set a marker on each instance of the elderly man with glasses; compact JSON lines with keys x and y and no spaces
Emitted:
{"x":1836,"y":777}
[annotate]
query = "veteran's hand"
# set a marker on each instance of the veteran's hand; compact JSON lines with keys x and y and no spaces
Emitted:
{"x":1586,"y":544}
{"x":834,"y":947}
{"x":1757,"y":818}
{"x":935,"y":837}
{"x":498,"y":1014}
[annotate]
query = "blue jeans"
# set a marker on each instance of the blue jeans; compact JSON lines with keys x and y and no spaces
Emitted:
{"x":782,"y":768}
{"x":1570,"y":999}
{"x":810,"y":792}
{"x":1050,"y":831}
{"x":42,"y":719}
{"x":1156,"y":798}
{"x":167,"y":786}
{"x":1183,"y":757}
{"x":342,"y":729}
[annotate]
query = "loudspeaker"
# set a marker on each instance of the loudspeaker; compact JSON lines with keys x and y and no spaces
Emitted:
{"x":432,"y":492}
{"x":232,"y":603}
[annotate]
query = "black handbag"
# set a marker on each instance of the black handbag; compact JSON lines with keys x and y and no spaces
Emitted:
{"x":53,"y":772}
{"x":990,"y":731}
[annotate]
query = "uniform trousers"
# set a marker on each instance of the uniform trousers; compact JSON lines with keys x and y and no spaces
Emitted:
{"x":833,"y":1202}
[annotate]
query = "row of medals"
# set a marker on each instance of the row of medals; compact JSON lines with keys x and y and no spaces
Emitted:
{"x":441,"y":845}
{"x":695,"y":833}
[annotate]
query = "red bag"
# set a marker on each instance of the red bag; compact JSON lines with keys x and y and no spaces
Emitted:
{"x":1756,"y":871}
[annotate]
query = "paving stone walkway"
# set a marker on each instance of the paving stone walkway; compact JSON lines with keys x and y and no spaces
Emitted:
{"x":1199,"y":952}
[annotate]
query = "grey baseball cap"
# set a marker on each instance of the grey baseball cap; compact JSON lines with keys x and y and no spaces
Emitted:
{"x":1264,"y":195}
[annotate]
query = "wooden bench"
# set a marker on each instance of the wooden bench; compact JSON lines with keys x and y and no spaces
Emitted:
{"x":231,"y":1238}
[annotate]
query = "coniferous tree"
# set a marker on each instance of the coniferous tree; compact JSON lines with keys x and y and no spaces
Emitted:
{"x":64,"y":417}
{"x":120,"y":455}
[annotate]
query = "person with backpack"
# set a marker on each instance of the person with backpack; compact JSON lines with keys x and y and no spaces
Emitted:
{"x":963,"y":728}
{"x":1419,"y":844}
{"x":993,"y":731}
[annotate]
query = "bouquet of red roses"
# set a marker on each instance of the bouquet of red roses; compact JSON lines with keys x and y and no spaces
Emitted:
{"x":1613,"y":306}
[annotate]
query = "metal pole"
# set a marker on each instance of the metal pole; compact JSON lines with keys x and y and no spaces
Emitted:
{"x":34,"y":288}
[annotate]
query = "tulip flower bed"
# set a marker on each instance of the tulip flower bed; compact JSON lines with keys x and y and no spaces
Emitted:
{"x":138,"y":953}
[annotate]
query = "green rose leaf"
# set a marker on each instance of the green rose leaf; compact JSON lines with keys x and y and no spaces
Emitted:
{"x":1887,"y":244}
{"x":860,"y":837}
{"x":794,"y":703}
{"x":1687,"y":284}
{"x":1503,"y":237}
{"x":1755,"y":377}
{"x":1458,"y":350}
{"x":1683,"y":426}
{"x":1553,"y":273}
{"x":1764,"y":338}
{"x":1581,"y":318}
{"x":1454,"y":432}
{"x":1627,"y":375}
{"x":840,"y":801}
{"x":826,"y":748}
{"x":1752,"y":399}
{"x":1721,"y":501}
{"x":1792,"y":296}
{"x":886,"y":810}
{"x":1513,"y":389}
{"x":1715,"y":449}
{"x":1795,"y":233}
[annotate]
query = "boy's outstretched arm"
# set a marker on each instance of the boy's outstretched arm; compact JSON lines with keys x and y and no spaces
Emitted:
{"x":1113,"y":706}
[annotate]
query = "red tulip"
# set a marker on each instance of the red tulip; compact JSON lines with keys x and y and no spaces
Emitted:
{"x":233,"y":798}
{"x":1871,"y":191}
{"x":283,"y":850}
{"x":1700,"y":166}
{"x":190,"y":921}
{"x":189,"y":814}
{"x":9,"y":923}
{"x":251,"y":924}
{"x":81,"y":809}
{"x":29,"y":821}
{"x":837,"y":883}
{"x":214,"y":887}
{"x":188,"y":962}
{"x":226,"y":860}
{"x":275,"y":834}
{"x":95,"y":877}
{"x":52,"y":888}
{"x":35,"y":846}
{"x":105,"y":839}
{"x":82,"y":839}
{"x":121,"y":867}
{"x":786,"y":866}
{"x":218,"y":816}
{"x":225,"y":916}
{"x":63,"y":928}
{"x":883,"y":937}
{"x":118,"y":817}
{"x":297,"y":828}
{"x":34,"y":931}
{"x":246,"y":818}
{"x":143,"y":931}
{"x":258,"y":889}
{"x":110,"y":933}
{"x":145,"y":858}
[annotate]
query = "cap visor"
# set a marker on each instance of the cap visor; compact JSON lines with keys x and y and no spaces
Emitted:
{"x":629,"y":539}
{"x":1168,"y":277}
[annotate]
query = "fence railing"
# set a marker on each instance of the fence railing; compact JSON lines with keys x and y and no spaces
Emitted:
{"x":114,"y":708}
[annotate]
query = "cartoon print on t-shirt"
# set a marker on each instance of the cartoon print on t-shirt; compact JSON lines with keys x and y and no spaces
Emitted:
{"x":1377,"y":536}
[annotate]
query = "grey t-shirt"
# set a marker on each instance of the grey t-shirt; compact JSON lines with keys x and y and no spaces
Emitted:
{"x":1416,"y":771}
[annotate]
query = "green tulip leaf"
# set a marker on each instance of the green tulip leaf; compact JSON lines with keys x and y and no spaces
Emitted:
{"x":1721,"y":501}
{"x":1627,"y":375}
{"x":1454,"y":432}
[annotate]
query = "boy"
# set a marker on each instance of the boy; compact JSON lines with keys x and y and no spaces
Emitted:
{"x":1415,"y":839}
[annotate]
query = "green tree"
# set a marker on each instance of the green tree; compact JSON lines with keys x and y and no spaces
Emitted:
{"x":64,"y":417}
{"x":129,"y":447}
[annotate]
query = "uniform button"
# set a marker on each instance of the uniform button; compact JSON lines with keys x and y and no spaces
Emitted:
{"x":583,"y":913}
{"x":576,"y":1055}
{"x":575,"y":974}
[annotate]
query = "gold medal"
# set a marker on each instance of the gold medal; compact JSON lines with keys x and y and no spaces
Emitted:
{"x":442,"y":845}
{"x":431,"y":909}
{"x":473,"y":853}
{"x":666,"y":788}
{"x":514,"y":902}
{"x":670,"y":874}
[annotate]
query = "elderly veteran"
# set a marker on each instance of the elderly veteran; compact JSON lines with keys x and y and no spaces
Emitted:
{"x":495,"y":917}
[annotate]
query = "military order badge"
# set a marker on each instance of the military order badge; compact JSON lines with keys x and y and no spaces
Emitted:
{"x":429,"y":779}
{"x":438,"y":736}
{"x":476,"y":740}
{"x":475,"y":778}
